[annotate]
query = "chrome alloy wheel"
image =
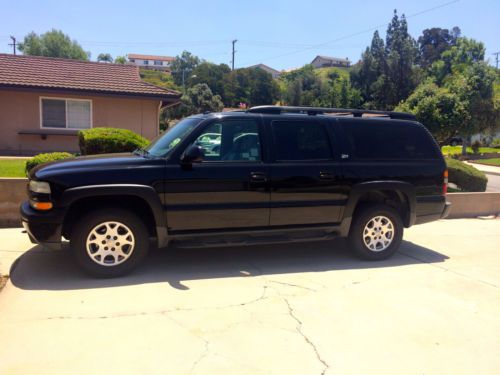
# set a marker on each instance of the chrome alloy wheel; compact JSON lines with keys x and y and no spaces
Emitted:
{"x":378,"y":233}
{"x":110,"y":243}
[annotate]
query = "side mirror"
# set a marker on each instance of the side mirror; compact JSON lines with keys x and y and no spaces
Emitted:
{"x":193,"y":154}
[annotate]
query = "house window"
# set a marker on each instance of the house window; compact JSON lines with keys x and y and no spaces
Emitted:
{"x":66,"y":113}
{"x":158,"y":62}
{"x":131,"y":60}
{"x":146,"y":62}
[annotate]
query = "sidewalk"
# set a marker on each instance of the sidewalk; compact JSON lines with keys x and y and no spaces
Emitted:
{"x":488,"y":169}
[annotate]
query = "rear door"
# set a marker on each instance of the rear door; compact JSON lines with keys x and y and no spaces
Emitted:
{"x":305,"y":177}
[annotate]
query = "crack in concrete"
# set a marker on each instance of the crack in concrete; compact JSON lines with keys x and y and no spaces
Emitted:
{"x":162,"y":312}
{"x":291,"y":312}
{"x":293,"y":285}
{"x":450,"y":270}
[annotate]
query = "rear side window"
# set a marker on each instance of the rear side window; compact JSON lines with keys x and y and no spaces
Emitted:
{"x":301,"y":140}
{"x":374,"y":140}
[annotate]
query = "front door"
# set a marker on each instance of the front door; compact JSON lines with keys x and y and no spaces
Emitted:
{"x":305,"y":183}
{"x":229,"y":189}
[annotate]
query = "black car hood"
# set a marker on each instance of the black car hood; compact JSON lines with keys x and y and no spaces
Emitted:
{"x":90,"y":163}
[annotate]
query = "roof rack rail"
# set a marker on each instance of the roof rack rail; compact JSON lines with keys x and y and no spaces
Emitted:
{"x":277,"y":110}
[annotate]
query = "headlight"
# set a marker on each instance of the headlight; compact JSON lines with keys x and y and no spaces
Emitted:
{"x":39,"y":187}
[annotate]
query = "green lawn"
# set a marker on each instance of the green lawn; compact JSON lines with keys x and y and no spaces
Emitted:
{"x":12,"y":168}
{"x":494,"y":161}
{"x":455,"y":150}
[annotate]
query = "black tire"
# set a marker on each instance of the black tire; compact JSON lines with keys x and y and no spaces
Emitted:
{"x":362,"y":217}
{"x":134,"y":254}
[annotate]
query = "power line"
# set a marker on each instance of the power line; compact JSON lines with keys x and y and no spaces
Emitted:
{"x":351,"y":35}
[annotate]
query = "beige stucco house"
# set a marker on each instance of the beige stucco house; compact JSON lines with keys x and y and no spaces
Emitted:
{"x":45,"y":101}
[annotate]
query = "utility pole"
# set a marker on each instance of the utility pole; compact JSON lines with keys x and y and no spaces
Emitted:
{"x":232,"y":61}
{"x":13,"y":44}
{"x":496,"y":57}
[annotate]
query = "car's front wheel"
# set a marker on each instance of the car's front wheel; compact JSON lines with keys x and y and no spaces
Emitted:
{"x":109,"y":243}
{"x":376,"y":232}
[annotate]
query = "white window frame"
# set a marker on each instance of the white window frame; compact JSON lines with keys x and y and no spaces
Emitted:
{"x":66,"y":103}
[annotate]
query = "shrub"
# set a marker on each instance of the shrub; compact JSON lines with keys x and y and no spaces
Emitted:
{"x":475,"y":146}
{"x":495,"y":143}
{"x":109,"y":140}
{"x":45,"y":158}
{"x":465,"y":176}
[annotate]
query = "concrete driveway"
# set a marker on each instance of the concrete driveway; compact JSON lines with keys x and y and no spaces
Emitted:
{"x":433,"y":308}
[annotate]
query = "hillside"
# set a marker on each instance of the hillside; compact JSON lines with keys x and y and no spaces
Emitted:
{"x":161,"y":79}
{"x":342,"y":72}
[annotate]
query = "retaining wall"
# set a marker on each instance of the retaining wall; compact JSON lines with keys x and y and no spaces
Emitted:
{"x":13,"y":192}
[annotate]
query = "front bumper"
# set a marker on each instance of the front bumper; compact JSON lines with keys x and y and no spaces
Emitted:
{"x":43,"y":228}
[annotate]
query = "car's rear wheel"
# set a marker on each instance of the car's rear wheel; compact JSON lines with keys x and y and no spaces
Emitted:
{"x":109,"y":243}
{"x":376,"y":232}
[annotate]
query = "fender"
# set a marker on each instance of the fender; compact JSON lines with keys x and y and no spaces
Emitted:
{"x":147,"y":193}
{"x":358,"y":190}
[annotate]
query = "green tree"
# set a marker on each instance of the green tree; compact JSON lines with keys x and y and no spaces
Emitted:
{"x":212,"y":75}
{"x":53,"y":43}
{"x":120,"y":60}
{"x":183,"y":66}
{"x":433,"y":42}
{"x":441,"y":111}
{"x":105,"y":57}
{"x":387,"y":72}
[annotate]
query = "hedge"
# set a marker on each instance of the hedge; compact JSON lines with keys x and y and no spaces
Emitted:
{"x":45,"y":158}
{"x":109,"y":140}
{"x":466,"y":177}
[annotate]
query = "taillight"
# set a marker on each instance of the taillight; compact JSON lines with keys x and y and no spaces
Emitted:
{"x":445,"y":182}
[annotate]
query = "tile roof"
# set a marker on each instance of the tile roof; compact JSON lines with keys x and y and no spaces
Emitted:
{"x":66,"y":74}
{"x":150,"y":57}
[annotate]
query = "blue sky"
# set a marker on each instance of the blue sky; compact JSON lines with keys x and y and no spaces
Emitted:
{"x":281,"y":34}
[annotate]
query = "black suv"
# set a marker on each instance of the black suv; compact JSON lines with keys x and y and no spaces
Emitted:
{"x":265,"y":175}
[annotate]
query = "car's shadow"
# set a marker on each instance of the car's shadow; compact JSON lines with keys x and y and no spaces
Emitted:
{"x":40,"y":269}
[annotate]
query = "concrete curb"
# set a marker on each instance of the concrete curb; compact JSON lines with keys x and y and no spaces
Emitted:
{"x":464,"y":205}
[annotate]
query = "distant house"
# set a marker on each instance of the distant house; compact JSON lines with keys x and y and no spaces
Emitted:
{"x":275,"y":73}
{"x":150,"y":61}
{"x":45,"y":101}
{"x":326,"y":61}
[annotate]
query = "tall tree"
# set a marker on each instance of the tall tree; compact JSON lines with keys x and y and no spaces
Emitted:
{"x":433,"y":42}
{"x":183,"y":66}
{"x":53,"y":43}
{"x":212,"y":75}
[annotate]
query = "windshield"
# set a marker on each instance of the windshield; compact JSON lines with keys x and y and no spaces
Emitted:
{"x":165,"y":143}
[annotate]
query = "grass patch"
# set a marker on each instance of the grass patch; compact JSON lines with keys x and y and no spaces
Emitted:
{"x":457,"y":150}
{"x":12,"y":168}
{"x":494,"y":161}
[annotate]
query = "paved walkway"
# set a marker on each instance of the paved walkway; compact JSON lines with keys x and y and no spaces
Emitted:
{"x":488,"y":169}
{"x":300,"y":309}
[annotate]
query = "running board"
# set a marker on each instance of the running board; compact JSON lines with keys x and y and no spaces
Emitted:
{"x":253,"y":239}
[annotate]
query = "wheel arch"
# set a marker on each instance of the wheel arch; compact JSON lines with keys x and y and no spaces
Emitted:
{"x":398,"y":194}
{"x":139,"y":198}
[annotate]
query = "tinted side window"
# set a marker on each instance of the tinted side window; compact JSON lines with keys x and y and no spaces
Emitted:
{"x":301,"y":140}
{"x":373,"y":140}
{"x":231,"y":140}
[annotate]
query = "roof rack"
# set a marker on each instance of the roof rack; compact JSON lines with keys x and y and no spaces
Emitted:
{"x":312,"y":111}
